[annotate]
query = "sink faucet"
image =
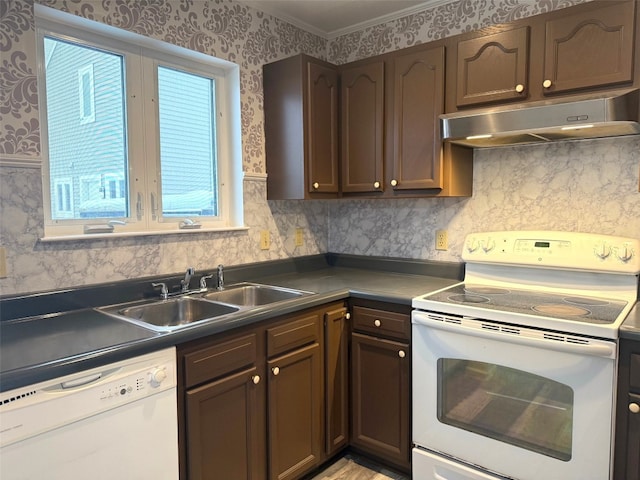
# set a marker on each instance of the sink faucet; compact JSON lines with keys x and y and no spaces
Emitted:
{"x":187,"y":278}
{"x":220,"y":282}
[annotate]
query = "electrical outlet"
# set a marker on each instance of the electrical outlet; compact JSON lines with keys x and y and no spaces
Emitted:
{"x":441,"y":240}
{"x":3,"y":262}
{"x":299,"y":237}
{"x":265,"y":240}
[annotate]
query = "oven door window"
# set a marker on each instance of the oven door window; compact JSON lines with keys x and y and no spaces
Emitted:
{"x":506,"y":404}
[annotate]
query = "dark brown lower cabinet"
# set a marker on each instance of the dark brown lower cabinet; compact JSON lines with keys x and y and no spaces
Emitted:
{"x":295,"y":413}
{"x":226,"y":428}
{"x":627,"y":446}
{"x":380,"y":401}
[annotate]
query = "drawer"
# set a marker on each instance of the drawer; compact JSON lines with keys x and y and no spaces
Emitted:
{"x":381,"y":323}
{"x":634,"y":372}
{"x":294,"y":334}
{"x":220,"y":359}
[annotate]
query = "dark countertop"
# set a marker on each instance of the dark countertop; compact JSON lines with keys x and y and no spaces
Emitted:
{"x":47,"y":346}
{"x":630,"y":329}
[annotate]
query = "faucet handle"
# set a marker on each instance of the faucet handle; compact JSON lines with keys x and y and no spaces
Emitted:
{"x":164,"y":291}
{"x":203,"y":281}
{"x":220,"y":283}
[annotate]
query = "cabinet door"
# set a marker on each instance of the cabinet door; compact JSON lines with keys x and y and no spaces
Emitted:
{"x":294,"y":413}
{"x":226,"y":429}
{"x":336,"y":380}
{"x":589,"y":49}
{"x":493,"y":68}
{"x":380,"y":398}
{"x":322,"y":128}
{"x":418,"y":102}
{"x":362,"y":104}
{"x":633,"y":442}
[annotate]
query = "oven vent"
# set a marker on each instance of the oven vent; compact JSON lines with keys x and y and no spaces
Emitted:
{"x":445,"y":318}
{"x":563,"y":338}
{"x":500,"y":328}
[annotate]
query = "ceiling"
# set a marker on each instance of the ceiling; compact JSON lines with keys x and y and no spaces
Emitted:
{"x":331,"y":18}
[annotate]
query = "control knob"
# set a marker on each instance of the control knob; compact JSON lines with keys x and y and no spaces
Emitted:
{"x":625,"y":253}
{"x":157,"y":376}
{"x":602,"y":250}
{"x":488,"y":245}
{"x":472,"y":245}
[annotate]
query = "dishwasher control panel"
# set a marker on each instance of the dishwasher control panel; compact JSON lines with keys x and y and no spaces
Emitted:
{"x":32,"y":410}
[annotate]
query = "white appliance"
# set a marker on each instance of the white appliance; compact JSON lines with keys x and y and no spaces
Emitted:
{"x":116,"y":421}
{"x":514,"y":368}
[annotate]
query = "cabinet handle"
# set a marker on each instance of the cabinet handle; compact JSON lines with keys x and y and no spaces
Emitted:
{"x":275,"y":370}
{"x":377,"y":323}
{"x":634,"y":408}
{"x":519,"y":88}
{"x":376,"y":184}
{"x":255,"y":379}
{"x":316,"y":185}
{"x":347,"y":315}
{"x":401,"y":354}
{"x":546,"y":83}
{"x":394,"y":183}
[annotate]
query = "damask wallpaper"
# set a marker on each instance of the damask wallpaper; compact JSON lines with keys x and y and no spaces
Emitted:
{"x":558,"y":186}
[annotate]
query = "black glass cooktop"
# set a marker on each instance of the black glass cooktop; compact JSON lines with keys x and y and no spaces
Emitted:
{"x":567,"y":307}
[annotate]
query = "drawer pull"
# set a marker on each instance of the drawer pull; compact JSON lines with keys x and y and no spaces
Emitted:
{"x":377,"y":323}
{"x":546,"y":84}
{"x":275,"y":370}
{"x":255,"y":379}
{"x":519,"y":88}
{"x":401,"y":354}
{"x":634,"y":408}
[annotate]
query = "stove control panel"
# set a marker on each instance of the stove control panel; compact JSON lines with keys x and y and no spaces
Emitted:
{"x":570,"y":250}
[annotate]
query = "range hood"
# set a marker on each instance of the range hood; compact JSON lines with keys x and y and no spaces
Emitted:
{"x":606,"y":115}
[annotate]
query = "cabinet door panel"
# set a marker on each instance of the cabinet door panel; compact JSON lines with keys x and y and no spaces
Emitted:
{"x":380,"y":397}
{"x":322,"y":144}
{"x":225,"y":429}
{"x":295,"y":415}
{"x":418,"y":102}
{"x":491,"y":67}
{"x":590,"y":49}
{"x":362,"y":127}
{"x":336,"y":380}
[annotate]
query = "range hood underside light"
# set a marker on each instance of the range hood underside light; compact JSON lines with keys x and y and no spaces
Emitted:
{"x":547,"y":121}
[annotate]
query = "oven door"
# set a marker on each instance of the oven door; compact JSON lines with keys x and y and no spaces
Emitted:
{"x":520,"y":402}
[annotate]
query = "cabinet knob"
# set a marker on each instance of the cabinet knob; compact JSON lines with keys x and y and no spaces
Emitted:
{"x":347,"y":315}
{"x":377,"y":323}
{"x":376,"y":184}
{"x":255,"y":379}
{"x":275,"y":370}
{"x":401,"y":354}
{"x":546,"y":83}
{"x":316,"y":185}
{"x":519,"y":88}
{"x":634,"y":408}
{"x":394,"y":183}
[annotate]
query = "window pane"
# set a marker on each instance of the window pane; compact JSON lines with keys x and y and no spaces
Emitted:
{"x":187,"y":144}
{"x":508,"y":405}
{"x":80,"y":150}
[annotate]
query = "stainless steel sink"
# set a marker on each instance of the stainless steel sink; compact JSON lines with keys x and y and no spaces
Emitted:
{"x":253,"y":294}
{"x":171,"y":314}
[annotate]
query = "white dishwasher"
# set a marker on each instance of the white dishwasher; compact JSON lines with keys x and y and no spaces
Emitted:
{"x":116,"y":421}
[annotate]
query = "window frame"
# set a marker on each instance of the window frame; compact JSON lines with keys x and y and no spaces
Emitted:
{"x":141,"y":56}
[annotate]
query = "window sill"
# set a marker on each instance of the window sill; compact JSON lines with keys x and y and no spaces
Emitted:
{"x":101,"y":236}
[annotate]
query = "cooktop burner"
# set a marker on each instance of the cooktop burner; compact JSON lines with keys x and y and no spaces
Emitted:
{"x":582,"y":309}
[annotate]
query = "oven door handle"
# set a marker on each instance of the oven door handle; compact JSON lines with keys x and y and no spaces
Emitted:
{"x":599,"y":349}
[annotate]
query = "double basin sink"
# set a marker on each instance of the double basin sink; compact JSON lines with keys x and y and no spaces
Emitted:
{"x":191,"y":308}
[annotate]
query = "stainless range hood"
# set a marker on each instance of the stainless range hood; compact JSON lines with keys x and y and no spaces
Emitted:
{"x":606,"y":115}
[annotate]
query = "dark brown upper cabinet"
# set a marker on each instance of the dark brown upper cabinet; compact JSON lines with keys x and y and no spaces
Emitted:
{"x":418,"y":100}
{"x":493,"y":68}
{"x":301,"y":128}
{"x":362,"y":109}
{"x":589,"y":49}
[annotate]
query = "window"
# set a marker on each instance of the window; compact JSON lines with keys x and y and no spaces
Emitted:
{"x":144,"y":133}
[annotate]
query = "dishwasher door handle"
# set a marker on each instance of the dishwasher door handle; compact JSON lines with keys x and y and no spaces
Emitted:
{"x":78,"y":382}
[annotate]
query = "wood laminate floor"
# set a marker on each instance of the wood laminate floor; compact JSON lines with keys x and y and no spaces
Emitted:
{"x":351,"y":467}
